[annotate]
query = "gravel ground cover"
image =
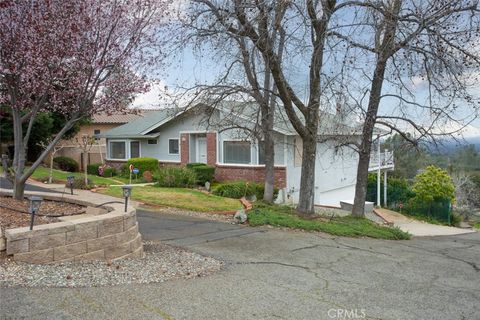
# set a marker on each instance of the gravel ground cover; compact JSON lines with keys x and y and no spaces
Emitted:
{"x":14,"y":213}
{"x":161,"y":263}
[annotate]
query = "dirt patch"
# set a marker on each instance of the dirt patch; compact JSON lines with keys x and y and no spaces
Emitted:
{"x":14,"y":213}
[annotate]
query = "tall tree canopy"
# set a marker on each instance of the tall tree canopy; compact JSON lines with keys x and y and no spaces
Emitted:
{"x":61,"y":55}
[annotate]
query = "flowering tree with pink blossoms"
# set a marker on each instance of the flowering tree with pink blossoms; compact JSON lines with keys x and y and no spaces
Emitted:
{"x":73,"y":57}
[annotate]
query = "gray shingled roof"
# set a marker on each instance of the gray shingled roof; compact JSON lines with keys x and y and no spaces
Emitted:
{"x":330,"y":124}
{"x":137,"y":127}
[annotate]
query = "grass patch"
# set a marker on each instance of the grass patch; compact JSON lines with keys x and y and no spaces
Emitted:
{"x":42,"y":173}
{"x":477,"y":225}
{"x":183,"y":198}
{"x":284,"y":216}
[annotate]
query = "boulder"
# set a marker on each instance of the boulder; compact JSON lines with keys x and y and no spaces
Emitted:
{"x":240,"y":216}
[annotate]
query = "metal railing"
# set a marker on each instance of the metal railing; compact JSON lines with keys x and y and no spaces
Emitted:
{"x":385,"y":161}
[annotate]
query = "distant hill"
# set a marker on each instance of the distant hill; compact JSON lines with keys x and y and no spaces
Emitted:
{"x":448,"y":146}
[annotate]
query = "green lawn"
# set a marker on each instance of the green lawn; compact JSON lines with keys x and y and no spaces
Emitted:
{"x":284,"y":216}
{"x":42,"y":173}
{"x":477,"y":225}
{"x":189,"y":199}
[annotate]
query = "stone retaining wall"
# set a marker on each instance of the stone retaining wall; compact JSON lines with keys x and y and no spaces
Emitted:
{"x":108,"y":236}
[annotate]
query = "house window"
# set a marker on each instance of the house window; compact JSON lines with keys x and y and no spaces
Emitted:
{"x":173,"y":146}
{"x":152,"y":141}
{"x":261,"y":152}
{"x":96,"y":131}
{"x":134,"y":149}
{"x":297,"y":152}
{"x":117,"y":150}
{"x":236,"y":152}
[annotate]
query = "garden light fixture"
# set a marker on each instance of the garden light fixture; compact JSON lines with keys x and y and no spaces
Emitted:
{"x":127,"y":191}
{"x":70,"y":180}
{"x":34,"y":206}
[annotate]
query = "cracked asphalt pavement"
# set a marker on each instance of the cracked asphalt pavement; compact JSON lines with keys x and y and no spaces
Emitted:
{"x":275,"y":274}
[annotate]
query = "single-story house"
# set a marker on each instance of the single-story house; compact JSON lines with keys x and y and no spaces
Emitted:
{"x":223,"y":138}
{"x":99,"y":124}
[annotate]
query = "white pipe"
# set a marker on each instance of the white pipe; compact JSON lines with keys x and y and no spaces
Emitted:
{"x":378,"y":172}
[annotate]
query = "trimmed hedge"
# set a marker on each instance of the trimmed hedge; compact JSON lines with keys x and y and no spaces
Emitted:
{"x":65,"y":164}
{"x":174,"y":177}
{"x":109,"y":172}
{"x":204,"y":172}
{"x":142,"y":164}
{"x":239,"y":189}
{"x":93,"y":168}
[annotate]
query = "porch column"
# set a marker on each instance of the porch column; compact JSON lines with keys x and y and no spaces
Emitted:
{"x":184,"y":148}
{"x":211,"y":148}
{"x":385,"y":189}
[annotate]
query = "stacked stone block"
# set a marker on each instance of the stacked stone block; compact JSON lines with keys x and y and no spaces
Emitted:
{"x":109,"y":236}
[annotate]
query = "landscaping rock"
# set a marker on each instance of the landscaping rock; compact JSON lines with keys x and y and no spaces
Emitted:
{"x":147,"y":176}
{"x":240,"y":216}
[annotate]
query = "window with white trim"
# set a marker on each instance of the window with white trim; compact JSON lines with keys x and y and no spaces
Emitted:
{"x":173,"y":147}
{"x":261,"y":152}
{"x":237,"y":152}
{"x":117,"y":150}
{"x":134,"y":149}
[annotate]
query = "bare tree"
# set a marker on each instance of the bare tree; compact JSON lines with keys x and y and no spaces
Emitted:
{"x":86,"y":142}
{"x":54,"y":150}
{"x":209,"y":22}
{"x":260,"y":24}
{"x":394,"y":47}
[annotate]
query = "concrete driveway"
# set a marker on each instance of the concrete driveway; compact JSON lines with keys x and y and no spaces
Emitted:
{"x":273,"y":274}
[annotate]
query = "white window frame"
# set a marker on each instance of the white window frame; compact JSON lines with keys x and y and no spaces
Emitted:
{"x":110,"y":153}
{"x":237,"y":140}
{"x":130,"y":148}
{"x":153,"y":139}
{"x":174,"y":154}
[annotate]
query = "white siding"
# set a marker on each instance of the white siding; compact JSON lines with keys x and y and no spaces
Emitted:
{"x":335,"y":173}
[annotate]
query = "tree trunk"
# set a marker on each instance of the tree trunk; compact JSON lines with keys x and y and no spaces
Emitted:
{"x":18,"y":189}
{"x":361,"y":186}
{"x":306,"y":200}
{"x":50,"y":178}
{"x":85,"y":154}
{"x":269,"y":145}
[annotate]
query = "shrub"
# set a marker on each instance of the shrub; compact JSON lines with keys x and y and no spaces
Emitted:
{"x":142,"y":164}
{"x":65,"y":164}
{"x":79,"y":183}
{"x":195,"y":164}
{"x":173,"y":177}
{"x":109,"y":172}
{"x":204,"y":172}
{"x":93,"y":168}
{"x":433,"y":185}
{"x":398,"y":190}
{"x":239,"y":189}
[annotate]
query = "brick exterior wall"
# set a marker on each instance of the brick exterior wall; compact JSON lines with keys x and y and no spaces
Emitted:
{"x":211,"y":148}
{"x":250,"y":173}
{"x":184,"y":149}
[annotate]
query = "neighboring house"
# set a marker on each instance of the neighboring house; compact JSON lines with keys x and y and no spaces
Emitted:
{"x":99,"y":124}
{"x":219,"y":139}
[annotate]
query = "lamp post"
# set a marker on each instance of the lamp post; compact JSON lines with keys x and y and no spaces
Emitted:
{"x":34,"y":206}
{"x":70,"y":180}
{"x":127,"y":190}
